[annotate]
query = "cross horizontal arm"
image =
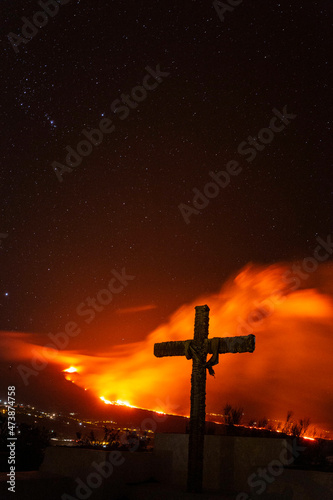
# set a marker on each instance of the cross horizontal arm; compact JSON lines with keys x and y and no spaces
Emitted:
{"x":234,"y":344}
{"x":226,"y":344}
{"x":176,"y":348}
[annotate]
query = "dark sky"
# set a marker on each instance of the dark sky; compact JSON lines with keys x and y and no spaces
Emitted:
{"x":120,"y":207}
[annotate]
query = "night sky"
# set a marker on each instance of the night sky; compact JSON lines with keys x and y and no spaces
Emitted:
{"x":222,"y":77}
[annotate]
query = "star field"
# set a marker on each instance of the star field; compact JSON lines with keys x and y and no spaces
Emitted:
{"x":120,"y":206}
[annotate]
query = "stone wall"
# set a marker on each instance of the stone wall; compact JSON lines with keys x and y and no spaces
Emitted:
{"x":230,"y":461}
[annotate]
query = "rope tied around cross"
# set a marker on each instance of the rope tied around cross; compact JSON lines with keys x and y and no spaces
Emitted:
{"x":191,"y":353}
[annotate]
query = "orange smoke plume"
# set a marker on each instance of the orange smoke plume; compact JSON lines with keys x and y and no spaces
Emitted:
{"x":291,"y":368}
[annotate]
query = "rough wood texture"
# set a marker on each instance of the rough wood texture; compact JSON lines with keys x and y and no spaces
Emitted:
{"x":226,"y":344}
{"x":163,"y":349}
{"x":198,"y":401}
{"x":235,"y":344}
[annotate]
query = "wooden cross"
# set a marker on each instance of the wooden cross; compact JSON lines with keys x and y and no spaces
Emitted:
{"x":197,"y":350}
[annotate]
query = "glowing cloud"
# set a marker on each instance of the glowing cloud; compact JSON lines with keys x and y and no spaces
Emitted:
{"x":131,"y":310}
{"x":291,"y":368}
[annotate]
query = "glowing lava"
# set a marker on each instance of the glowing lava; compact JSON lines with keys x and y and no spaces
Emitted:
{"x":119,"y":402}
{"x":71,"y":369}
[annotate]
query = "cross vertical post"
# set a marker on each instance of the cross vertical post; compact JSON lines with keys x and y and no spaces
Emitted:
{"x":198,"y":400}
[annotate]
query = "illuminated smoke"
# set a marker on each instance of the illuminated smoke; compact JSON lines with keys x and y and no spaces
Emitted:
{"x":291,"y":368}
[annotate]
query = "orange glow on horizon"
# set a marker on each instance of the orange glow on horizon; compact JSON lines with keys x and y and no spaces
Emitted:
{"x":290,"y":369}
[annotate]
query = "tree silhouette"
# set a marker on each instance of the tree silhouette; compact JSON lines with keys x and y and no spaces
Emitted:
{"x":262,"y":423}
{"x":288,"y":423}
{"x":112,"y":437}
{"x":299,"y":428}
{"x":232,"y":416}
